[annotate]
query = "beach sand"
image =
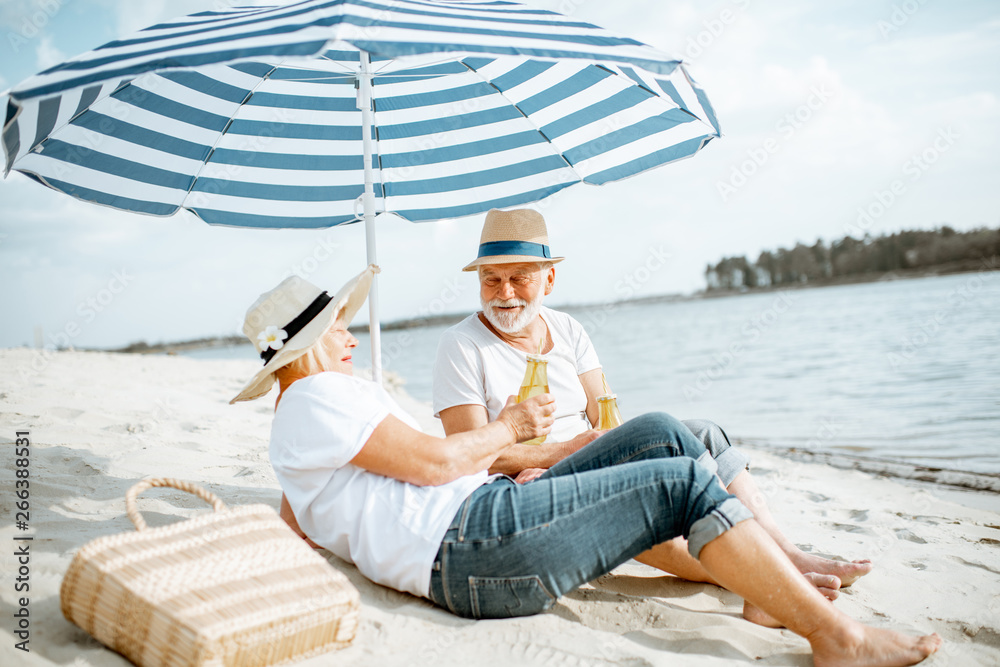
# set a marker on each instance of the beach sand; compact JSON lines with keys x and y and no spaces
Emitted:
{"x":99,"y":422}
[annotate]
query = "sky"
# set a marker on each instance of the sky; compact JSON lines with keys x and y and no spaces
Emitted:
{"x":845,"y":118}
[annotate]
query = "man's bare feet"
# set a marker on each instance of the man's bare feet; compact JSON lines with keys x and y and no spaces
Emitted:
{"x":864,"y":646}
{"x":848,"y":573}
{"x":827,"y":584}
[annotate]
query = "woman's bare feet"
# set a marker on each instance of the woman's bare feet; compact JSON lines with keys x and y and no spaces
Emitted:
{"x":827,"y":584}
{"x":863,"y":646}
{"x":848,"y":573}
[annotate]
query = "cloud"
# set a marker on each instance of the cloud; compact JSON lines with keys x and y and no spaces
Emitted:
{"x":47,"y":54}
{"x":971,"y":43}
{"x":14,"y":12}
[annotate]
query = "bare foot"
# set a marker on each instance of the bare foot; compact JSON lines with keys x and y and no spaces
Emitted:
{"x":848,"y":573}
{"x":860,"y":645}
{"x":827,"y":584}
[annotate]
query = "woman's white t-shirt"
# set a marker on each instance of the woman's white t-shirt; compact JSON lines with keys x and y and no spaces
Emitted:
{"x":391,"y":530}
{"x":475,"y":367}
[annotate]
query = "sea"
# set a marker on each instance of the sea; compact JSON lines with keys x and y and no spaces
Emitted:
{"x":901,"y":370}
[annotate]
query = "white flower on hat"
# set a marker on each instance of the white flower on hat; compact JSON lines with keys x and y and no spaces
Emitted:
{"x":272,"y":337}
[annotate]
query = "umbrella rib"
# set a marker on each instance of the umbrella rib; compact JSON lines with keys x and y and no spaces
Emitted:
{"x":375,"y":74}
{"x":526,"y":117}
{"x":335,"y":77}
{"x":389,"y":63}
{"x":222,"y":134}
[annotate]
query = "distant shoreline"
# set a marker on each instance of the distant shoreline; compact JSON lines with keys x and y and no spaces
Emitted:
{"x":949,"y":269}
{"x":955,"y":268}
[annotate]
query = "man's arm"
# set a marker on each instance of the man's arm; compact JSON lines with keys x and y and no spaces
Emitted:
{"x":593,"y":386}
{"x":515,"y":458}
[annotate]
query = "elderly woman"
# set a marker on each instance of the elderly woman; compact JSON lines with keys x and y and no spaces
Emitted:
{"x":420,"y":514}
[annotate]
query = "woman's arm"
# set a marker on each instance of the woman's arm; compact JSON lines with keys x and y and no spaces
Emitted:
{"x":514,"y":459}
{"x":398,"y":451}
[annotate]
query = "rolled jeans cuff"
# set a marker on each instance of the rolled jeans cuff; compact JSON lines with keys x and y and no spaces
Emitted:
{"x":731,"y":463}
{"x":709,"y":463}
{"x":723,"y":516}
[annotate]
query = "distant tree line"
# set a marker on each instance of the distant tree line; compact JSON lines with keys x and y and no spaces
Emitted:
{"x":850,"y":258}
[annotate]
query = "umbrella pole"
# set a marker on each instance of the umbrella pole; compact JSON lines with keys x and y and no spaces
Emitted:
{"x":368,"y":200}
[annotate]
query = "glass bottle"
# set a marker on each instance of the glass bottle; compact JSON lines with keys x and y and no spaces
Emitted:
{"x":535,"y":382}
{"x":608,"y":415}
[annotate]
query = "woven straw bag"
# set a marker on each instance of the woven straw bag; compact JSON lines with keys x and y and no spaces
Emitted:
{"x":233,"y":587}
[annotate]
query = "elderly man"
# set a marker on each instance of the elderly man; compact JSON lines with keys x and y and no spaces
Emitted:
{"x":481,"y":360}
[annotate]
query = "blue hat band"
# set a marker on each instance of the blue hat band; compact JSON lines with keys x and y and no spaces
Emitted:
{"x":514,"y":248}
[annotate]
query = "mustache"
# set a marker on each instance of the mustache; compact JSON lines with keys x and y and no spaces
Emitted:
{"x":507,"y":303}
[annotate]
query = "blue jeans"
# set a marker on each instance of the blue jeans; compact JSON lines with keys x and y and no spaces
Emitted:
{"x":731,"y":461}
{"x":513,"y":549}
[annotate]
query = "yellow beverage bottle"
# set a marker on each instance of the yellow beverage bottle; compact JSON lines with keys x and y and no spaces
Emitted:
{"x":535,"y":382}
{"x":608,"y":415}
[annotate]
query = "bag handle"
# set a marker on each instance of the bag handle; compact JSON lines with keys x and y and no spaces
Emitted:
{"x":130,"y":497}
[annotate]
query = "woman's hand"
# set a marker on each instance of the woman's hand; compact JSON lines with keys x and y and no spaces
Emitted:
{"x":528,"y":419}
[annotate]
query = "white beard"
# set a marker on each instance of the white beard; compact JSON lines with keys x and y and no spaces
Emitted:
{"x":509,"y":323}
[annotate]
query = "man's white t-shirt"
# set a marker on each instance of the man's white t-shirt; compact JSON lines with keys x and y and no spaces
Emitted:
{"x":475,"y":367}
{"x":391,"y":530}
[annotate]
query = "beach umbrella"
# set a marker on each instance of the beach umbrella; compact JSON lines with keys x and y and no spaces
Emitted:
{"x":321,"y":113}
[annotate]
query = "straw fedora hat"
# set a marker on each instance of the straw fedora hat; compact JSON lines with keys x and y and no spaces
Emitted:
{"x":511,"y":237}
{"x":285,"y":322}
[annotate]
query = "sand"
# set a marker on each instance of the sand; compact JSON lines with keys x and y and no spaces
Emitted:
{"x":98,"y":422}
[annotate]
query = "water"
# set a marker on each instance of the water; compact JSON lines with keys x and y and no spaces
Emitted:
{"x":904,"y":370}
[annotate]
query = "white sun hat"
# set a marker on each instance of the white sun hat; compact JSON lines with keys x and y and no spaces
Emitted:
{"x":283,"y":323}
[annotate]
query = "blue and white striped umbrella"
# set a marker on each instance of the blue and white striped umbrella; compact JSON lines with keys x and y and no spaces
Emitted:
{"x":256,"y":117}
